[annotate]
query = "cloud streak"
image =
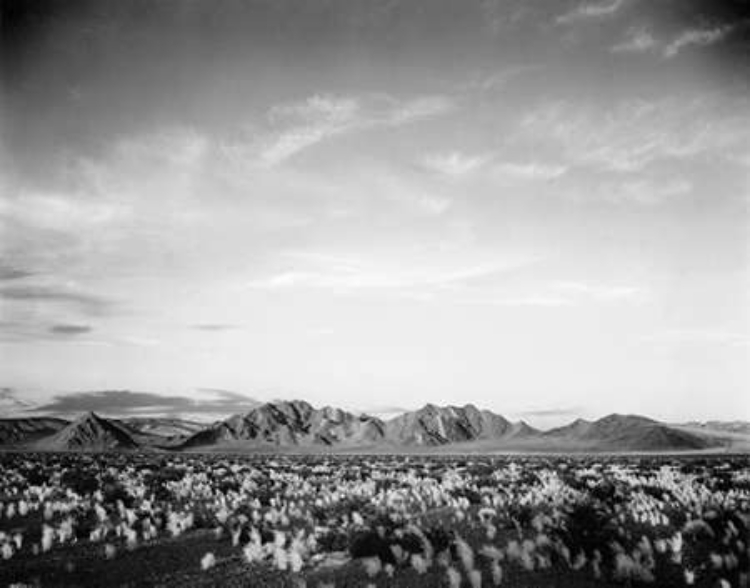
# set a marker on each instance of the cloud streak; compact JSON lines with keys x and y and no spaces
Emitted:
{"x":591,"y":10}
{"x":454,"y":163}
{"x":369,"y":277}
{"x":70,"y":329}
{"x":637,"y":41}
{"x":213,"y":327}
{"x":42,"y":294}
{"x":634,"y":134}
{"x":696,"y":38}
{"x":297,"y":126}
{"x":11,"y":272}
{"x":126,"y":402}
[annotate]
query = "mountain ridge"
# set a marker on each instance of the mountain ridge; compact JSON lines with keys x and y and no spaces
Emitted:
{"x":296,"y":424}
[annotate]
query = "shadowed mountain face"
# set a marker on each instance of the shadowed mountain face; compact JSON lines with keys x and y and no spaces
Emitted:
{"x":434,"y":425}
{"x":25,"y":430}
{"x":297,"y":424}
{"x":627,"y":433}
{"x":91,"y":432}
{"x":292,"y":423}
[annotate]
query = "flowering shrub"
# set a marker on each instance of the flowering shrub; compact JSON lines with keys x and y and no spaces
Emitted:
{"x":380,"y":520}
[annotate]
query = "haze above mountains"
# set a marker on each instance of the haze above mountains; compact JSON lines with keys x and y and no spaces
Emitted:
{"x":297,"y":426}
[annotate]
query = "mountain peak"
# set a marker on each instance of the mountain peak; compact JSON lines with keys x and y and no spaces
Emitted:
{"x":91,"y":432}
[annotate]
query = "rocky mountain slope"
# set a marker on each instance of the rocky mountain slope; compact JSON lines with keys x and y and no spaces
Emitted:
{"x":617,"y":432}
{"x":19,"y":431}
{"x":291,"y":423}
{"x":90,"y":432}
{"x":435,"y":425}
{"x":297,"y":424}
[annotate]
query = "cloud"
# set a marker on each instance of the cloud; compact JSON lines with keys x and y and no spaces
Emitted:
{"x":529,"y":171}
{"x":35,"y":294}
{"x":631,"y":135}
{"x":297,"y":126}
{"x":696,"y":37}
{"x":454,"y":163}
{"x":590,"y":10}
{"x":11,"y":404}
{"x":598,"y":291}
{"x":10,"y":272}
{"x":213,"y":327}
{"x":206,"y":401}
{"x":70,"y":329}
{"x":59,"y":211}
{"x":401,"y":278}
{"x":500,"y":79}
{"x":550,"y":412}
{"x":637,"y":41}
{"x":644,"y":191}
{"x":548,"y":418}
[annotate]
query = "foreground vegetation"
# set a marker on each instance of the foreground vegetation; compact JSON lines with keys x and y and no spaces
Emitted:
{"x":168,"y":520}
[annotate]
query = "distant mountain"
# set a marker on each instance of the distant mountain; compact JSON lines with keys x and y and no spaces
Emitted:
{"x":435,"y":425}
{"x":297,"y":424}
{"x":90,"y":432}
{"x":18,"y":431}
{"x":291,"y":423}
{"x":627,"y":433}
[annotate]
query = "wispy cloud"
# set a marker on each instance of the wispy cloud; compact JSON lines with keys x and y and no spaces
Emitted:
{"x":11,"y":272}
{"x":454,"y":163}
{"x":11,"y":403}
{"x":126,"y":402}
{"x":498,"y":80}
{"x":590,"y":10}
{"x":696,"y":37}
{"x":61,"y":211}
{"x":599,"y":291}
{"x":401,"y":278}
{"x":548,"y":412}
{"x":559,"y":294}
{"x":529,"y":171}
{"x":643,"y":191}
{"x":89,"y":303}
{"x":297,"y":126}
{"x":66,"y":329}
{"x":633,"y":134}
{"x":213,"y":327}
{"x":637,"y":40}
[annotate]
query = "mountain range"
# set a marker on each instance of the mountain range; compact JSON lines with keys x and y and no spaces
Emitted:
{"x":298,"y":426}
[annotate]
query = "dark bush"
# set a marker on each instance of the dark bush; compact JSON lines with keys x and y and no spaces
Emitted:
{"x":82,"y":482}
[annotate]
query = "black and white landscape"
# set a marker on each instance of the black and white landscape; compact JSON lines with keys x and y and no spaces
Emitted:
{"x":297,"y":426}
{"x":375,"y":293}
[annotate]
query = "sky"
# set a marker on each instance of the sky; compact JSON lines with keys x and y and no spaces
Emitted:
{"x":537,"y":207}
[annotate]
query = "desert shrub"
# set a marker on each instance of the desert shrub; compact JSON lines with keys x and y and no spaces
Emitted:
{"x":82,"y":482}
{"x":588,"y":528}
{"x":440,"y":538}
{"x":472,"y":496}
{"x":334,"y":540}
{"x":113,"y":490}
{"x":370,"y":544}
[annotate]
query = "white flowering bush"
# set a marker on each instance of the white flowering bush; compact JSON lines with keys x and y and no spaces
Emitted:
{"x":380,"y":520}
